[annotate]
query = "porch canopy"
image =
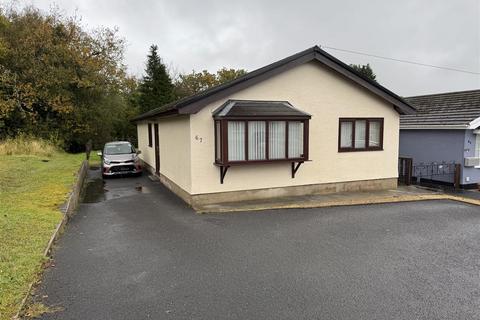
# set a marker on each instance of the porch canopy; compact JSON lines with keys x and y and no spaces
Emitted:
{"x":258,"y":109}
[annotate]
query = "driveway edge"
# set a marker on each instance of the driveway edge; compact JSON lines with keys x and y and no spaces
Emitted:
{"x":339,"y":203}
{"x":68,"y":210}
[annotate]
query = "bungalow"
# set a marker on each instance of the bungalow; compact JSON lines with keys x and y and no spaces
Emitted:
{"x":446,"y":129}
{"x":306,"y":124}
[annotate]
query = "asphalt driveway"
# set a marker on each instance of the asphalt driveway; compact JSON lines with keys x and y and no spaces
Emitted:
{"x":136,"y":251}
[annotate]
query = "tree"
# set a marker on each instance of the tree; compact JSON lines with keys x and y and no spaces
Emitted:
{"x":225,"y":75}
{"x":194,"y":82}
{"x":156,"y":88}
{"x":59,"y":80}
{"x":365,"y":70}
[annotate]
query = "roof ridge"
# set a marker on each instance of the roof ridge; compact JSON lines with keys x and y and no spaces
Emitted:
{"x":443,"y":93}
{"x":192,"y":104}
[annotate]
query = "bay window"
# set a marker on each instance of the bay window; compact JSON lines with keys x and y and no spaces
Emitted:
{"x":295,"y":139}
{"x":360,"y":134}
{"x":256,"y":140}
{"x":252,"y":132}
{"x":276,"y":139}
{"x":260,"y":141}
{"x":236,"y":140}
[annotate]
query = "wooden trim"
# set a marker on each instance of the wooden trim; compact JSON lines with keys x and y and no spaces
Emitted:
{"x":267,"y":138}
{"x":246,"y":141}
{"x":224,"y":139}
{"x":236,"y":163}
{"x":157,"y":148}
{"x":367,"y":135}
{"x":306,"y":139}
{"x":217,"y":141}
{"x":286,"y":139}
{"x":257,"y":118}
{"x":150,"y":135}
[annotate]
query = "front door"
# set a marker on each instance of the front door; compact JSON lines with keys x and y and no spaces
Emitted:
{"x":157,"y":149}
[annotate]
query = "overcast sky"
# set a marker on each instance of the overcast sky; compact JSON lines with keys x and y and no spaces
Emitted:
{"x":249,"y":34}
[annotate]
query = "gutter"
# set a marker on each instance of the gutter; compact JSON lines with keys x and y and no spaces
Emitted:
{"x":436,"y":127}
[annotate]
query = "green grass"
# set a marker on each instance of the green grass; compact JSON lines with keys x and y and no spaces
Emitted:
{"x":27,"y":145}
{"x":95,"y":159}
{"x":31,"y":192}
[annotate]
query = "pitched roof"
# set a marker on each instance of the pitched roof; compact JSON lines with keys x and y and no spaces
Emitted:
{"x":195,"y":103}
{"x":450,"y":110}
{"x":258,"y":108}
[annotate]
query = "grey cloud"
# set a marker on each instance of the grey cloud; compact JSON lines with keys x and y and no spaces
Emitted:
{"x":249,"y":34}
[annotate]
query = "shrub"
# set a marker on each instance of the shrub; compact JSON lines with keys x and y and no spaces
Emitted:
{"x":27,"y":145}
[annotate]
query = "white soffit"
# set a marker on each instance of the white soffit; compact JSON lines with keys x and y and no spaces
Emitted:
{"x":474,"y":124}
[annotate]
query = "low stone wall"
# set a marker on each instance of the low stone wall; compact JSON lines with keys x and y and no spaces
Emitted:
{"x":72,"y":203}
{"x":322,"y":188}
{"x":184,"y":195}
{"x":75,"y":195}
{"x":196,"y":200}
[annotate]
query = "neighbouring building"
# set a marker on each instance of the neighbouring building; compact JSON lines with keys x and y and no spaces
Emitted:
{"x":445,"y":129}
{"x":306,"y":124}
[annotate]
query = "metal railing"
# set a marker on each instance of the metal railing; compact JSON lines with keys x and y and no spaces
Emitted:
{"x":445,"y":172}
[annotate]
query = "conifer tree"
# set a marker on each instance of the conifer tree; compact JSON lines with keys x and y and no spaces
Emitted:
{"x":156,"y":88}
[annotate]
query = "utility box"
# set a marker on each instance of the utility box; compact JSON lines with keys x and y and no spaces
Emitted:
{"x":472,"y":161}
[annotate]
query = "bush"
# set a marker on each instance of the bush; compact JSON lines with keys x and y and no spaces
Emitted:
{"x":27,"y":145}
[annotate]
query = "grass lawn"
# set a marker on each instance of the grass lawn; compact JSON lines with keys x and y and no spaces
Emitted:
{"x":95,"y":159}
{"x":31,"y":192}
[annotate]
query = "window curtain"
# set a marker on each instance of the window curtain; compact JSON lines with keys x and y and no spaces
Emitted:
{"x":360,"y":133}
{"x":256,"y":140}
{"x":236,"y":140}
{"x":276,"y":139}
{"x":346,"y":134}
{"x":374,"y":134}
{"x":295,"y":139}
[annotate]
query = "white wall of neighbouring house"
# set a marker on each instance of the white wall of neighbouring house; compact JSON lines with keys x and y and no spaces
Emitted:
{"x":174,"y":141}
{"x":327,"y":96}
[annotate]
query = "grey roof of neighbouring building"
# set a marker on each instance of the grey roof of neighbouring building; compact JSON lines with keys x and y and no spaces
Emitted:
{"x":196,"y":102}
{"x":455,"y":110}
{"x":257,"y":108}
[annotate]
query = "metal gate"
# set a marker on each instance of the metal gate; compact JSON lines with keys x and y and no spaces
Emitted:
{"x":434,"y":172}
{"x":405,"y":170}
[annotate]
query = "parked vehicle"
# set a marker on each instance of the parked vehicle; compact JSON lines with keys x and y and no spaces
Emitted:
{"x":120,"y":158}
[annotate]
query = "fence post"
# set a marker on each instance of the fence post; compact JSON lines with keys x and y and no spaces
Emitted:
{"x":456,"y":181}
{"x":409,"y":170}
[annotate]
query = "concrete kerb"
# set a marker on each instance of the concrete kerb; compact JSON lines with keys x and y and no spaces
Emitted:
{"x":68,"y":210}
{"x":337,"y":203}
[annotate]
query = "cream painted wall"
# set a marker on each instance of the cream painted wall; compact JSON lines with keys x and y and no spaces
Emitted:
{"x":148,"y":154}
{"x":174,"y":141}
{"x":175,"y":156}
{"x":326,"y":96}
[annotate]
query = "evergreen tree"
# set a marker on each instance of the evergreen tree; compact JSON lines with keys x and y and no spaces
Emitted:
{"x":156,"y":88}
{"x":365,"y":70}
